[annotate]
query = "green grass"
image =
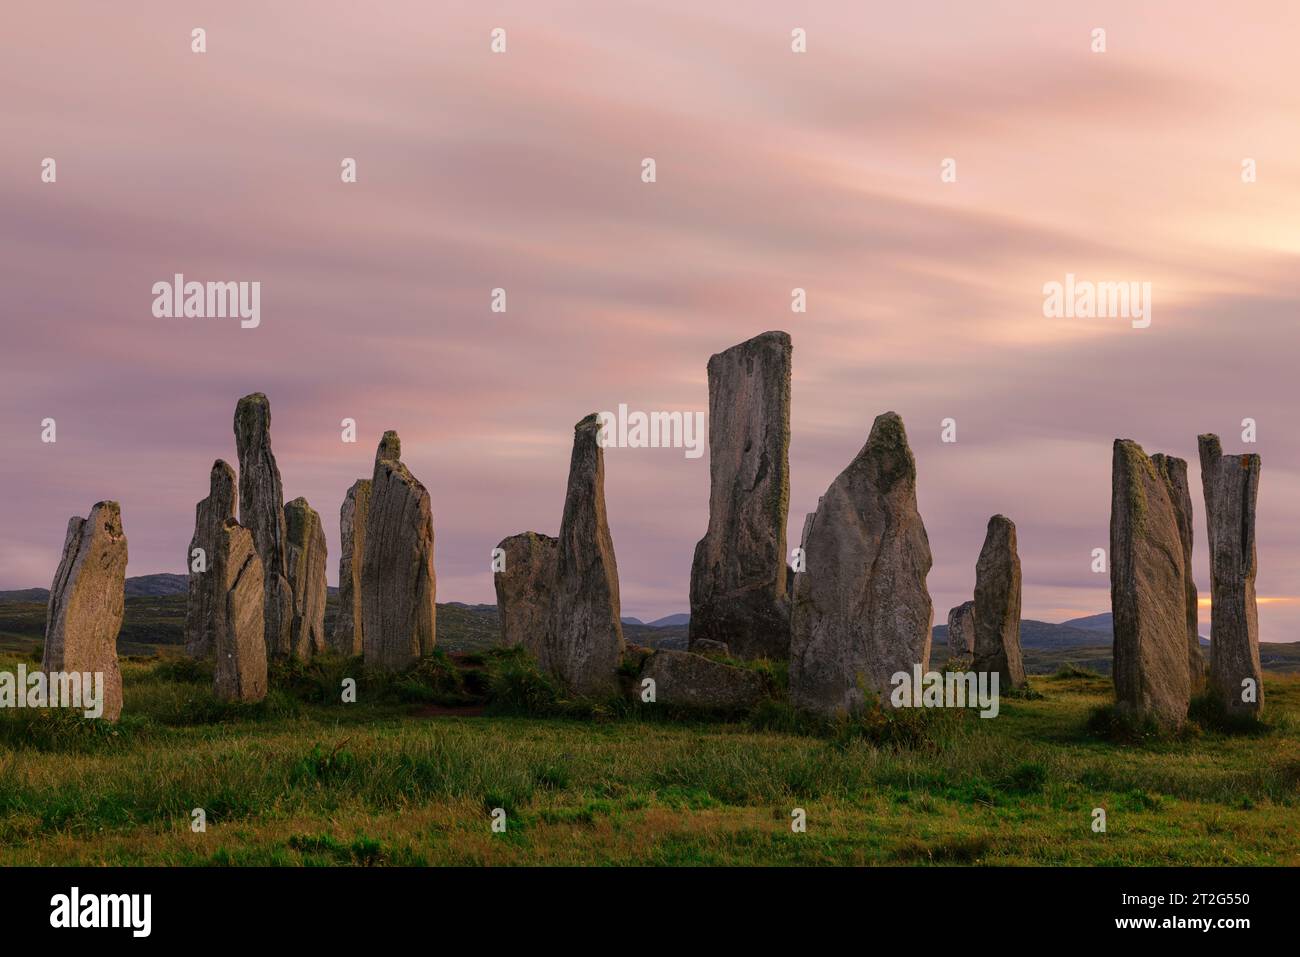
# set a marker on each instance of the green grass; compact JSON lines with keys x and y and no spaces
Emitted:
{"x":302,"y":779}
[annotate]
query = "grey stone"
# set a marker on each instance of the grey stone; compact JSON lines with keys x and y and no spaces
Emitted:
{"x":688,"y":680}
{"x":997,"y":605}
{"x":205,"y":596}
{"x":305,"y":563}
{"x":239,"y":639}
{"x":1231,"y":487}
{"x":961,"y":630}
{"x":1173,"y":471}
{"x":739,"y":592}
{"x":346,"y":638}
{"x":711,"y":648}
{"x":398,"y":585}
{"x":862,"y":611}
{"x":1147,"y":591}
{"x":87,"y":599}
{"x":261,"y":511}
{"x":526,"y":590}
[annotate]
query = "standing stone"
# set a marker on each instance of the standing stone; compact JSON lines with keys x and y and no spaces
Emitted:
{"x":205,"y":593}
{"x":305,"y":564}
{"x":347,"y":637}
{"x":997,"y":605}
{"x":587,"y":634}
{"x":261,"y":511}
{"x":526,"y":592}
{"x":239,"y":639}
{"x":1173,"y":472}
{"x":739,"y":593}
{"x":1231,"y":487}
{"x":861,"y":609}
{"x":398,"y":586}
{"x":87,"y":599}
{"x":1147,"y":591}
{"x":961,"y":630}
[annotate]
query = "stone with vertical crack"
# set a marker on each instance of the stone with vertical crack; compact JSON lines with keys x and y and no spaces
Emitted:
{"x":206,"y":598}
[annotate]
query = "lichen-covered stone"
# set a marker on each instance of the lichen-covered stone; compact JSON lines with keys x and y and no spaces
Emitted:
{"x":1147,"y":591}
{"x":1231,"y":487}
{"x":739,"y":591}
{"x":305,"y":563}
{"x":861,"y":608}
{"x":205,"y":597}
{"x":239,"y":642}
{"x":688,"y":680}
{"x":1173,"y":472}
{"x":87,"y":599}
{"x":587,"y":633}
{"x":997,"y":605}
{"x":961,"y":630}
{"x":526,"y":590}
{"x":261,"y":511}
{"x":346,"y":638}
{"x":398,"y":585}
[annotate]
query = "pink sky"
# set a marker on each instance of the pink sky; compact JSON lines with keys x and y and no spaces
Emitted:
{"x":522,"y":170}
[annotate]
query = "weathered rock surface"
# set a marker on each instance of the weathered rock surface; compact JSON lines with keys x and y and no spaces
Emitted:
{"x":1147,"y":591}
{"x":261,"y":511}
{"x":687,"y":680}
{"x":711,"y":648}
{"x":526,"y":592}
{"x":398,"y":586}
{"x":87,"y":599}
{"x":1231,"y":487}
{"x":305,"y":563}
{"x":239,"y":638}
{"x":961,"y":630}
{"x":739,"y":593}
{"x":861,"y":608}
{"x":1173,"y":472}
{"x":346,"y":637}
{"x":586,"y":634}
{"x":205,"y":594}
{"x":997,"y":605}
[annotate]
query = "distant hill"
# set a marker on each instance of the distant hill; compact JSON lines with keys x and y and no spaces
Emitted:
{"x":671,"y":621}
{"x":140,"y":586}
{"x":1103,"y":622}
{"x":632,"y":621}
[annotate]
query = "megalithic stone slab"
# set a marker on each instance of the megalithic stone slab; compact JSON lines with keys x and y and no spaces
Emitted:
{"x":526,"y":589}
{"x":346,"y":637}
{"x":739,"y":592}
{"x":861,"y":608}
{"x":1231,"y":487}
{"x":961,"y":630}
{"x":87,"y":599}
{"x":587,"y":634}
{"x":1173,"y":471}
{"x":203,"y":605}
{"x":261,"y":511}
{"x":1147,"y":591}
{"x":305,"y":554}
{"x":997,"y":605}
{"x":239,"y":641}
{"x":398,"y":585}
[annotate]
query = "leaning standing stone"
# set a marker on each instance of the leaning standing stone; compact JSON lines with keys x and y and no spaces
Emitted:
{"x":398,"y":587}
{"x":997,"y":605}
{"x":739,"y":593}
{"x":862,"y":612}
{"x":346,"y":639}
{"x":239,"y":640}
{"x":1147,"y":591}
{"x":87,"y":599}
{"x":305,"y":556}
{"x":204,"y":592}
{"x":1231,"y":487}
{"x":1173,"y":471}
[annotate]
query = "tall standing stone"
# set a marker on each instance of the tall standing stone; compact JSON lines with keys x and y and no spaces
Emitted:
{"x":739,"y":593}
{"x":1147,"y":591}
{"x":210,"y":515}
{"x":261,"y":511}
{"x":861,"y":609}
{"x":526,"y":588}
{"x":997,"y":605}
{"x":961,"y":630}
{"x":87,"y":599}
{"x":346,"y":638}
{"x":587,"y":634}
{"x":1173,"y":472}
{"x":1231,"y":487}
{"x":305,"y":562}
{"x":239,"y":636}
{"x":398,"y":586}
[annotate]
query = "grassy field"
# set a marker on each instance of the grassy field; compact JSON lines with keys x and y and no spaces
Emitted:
{"x":403,"y":778}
